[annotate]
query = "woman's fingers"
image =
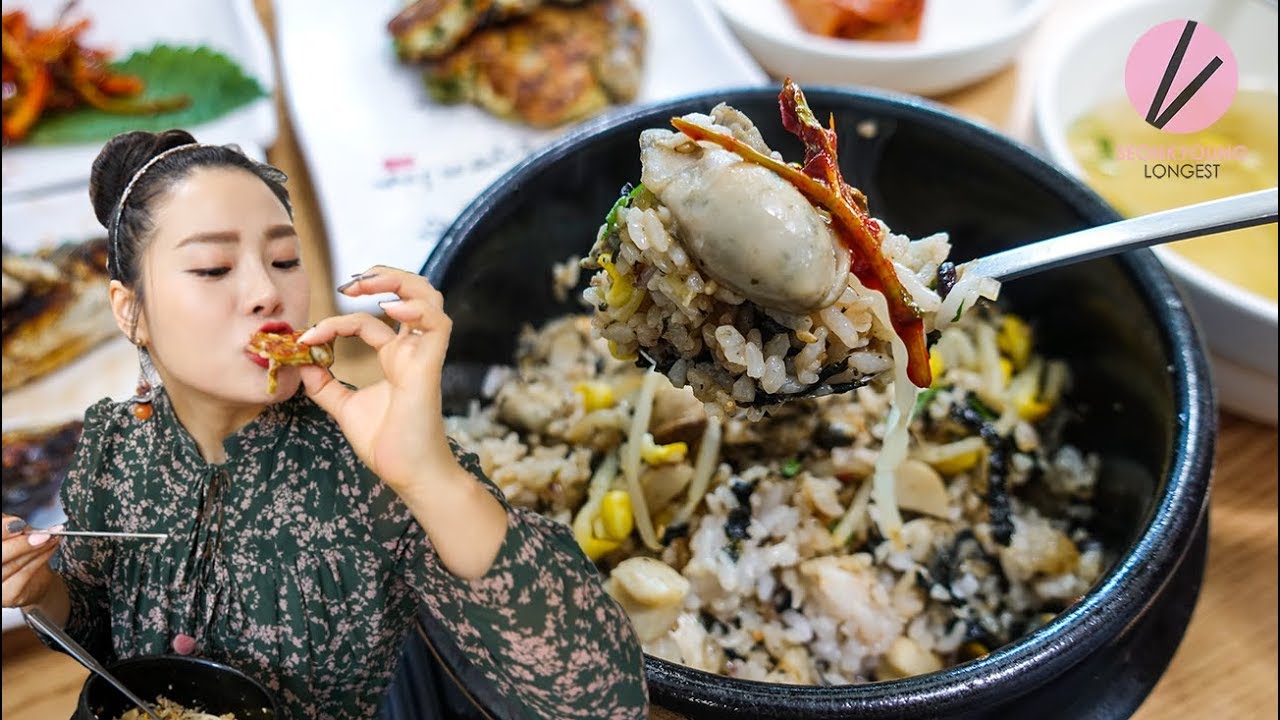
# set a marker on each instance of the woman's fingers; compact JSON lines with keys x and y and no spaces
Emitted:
{"x":382,"y":279}
{"x":324,"y":389}
{"x":16,"y":585}
{"x":12,"y":525}
{"x":21,"y":551}
{"x":405,"y":312}
{"x":368,"y":328}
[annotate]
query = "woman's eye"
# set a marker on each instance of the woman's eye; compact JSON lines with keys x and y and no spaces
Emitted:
{"x":287,"y":264}
{"x":211,"y":272}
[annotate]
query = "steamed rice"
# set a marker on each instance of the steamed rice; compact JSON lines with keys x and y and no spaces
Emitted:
{"x":768,"y":563}
{"x":653,"y":298}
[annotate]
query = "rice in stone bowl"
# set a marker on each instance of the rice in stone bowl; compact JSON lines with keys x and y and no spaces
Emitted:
{"x":763,"y":548}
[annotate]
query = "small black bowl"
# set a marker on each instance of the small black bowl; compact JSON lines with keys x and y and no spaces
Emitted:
{"x":1143,"y":399}
{"x":192,"y":682}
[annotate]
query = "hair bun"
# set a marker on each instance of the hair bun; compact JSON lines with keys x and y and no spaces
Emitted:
{"x":118,"y":161}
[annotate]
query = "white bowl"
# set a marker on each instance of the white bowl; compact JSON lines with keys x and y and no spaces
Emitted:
{"x":1085,"y":68}
{"x":961,"y":42}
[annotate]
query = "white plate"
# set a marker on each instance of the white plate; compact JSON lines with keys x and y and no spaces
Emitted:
{"x":123,"y":26}
{"x":961,"y":42}
{"x":1084,"y":67}
{"x":391,"y":168}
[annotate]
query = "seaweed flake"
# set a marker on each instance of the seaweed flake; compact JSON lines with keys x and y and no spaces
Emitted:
{"x":997,"y":466}
{"x":742,"y":490}
{"x":735,"y":526}
{"x":674,"y":531}
{"x":922,"y":580}
{"x":734,"y":550}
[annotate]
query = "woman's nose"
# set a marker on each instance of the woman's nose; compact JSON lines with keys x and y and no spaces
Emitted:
{"x":263,"y":297}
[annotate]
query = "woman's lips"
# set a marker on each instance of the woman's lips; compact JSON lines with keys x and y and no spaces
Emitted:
{"x":276,"y":327}
{"x":256,"y":359}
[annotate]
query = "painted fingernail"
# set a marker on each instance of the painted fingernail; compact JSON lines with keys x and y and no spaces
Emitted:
{"x":390,"y":304}
{"x":307,"y":335}
{"x":355,"y":279}
{"x":16,"y":525}
{"x":38,"y":539}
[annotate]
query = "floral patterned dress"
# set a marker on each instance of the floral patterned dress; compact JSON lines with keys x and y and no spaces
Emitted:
{"x":292,"y":562}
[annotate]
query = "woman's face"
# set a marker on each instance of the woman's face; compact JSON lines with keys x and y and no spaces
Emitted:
{"x":223,"y":263}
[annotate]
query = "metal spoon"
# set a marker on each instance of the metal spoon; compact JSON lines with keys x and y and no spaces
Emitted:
{"x":1207,"y":218}
{"x":37,"y":619}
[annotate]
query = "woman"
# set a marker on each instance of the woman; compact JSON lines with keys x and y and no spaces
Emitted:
{"x":305,"y":526}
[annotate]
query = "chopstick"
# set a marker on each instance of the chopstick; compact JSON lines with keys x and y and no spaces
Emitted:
{"x":88,"y":533}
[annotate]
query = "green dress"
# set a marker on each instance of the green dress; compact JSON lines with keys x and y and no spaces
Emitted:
{"x":292,"y":562}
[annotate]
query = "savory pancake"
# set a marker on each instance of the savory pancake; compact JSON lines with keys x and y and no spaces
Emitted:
{"x":552,"y":66}
{"x":430,"y":29}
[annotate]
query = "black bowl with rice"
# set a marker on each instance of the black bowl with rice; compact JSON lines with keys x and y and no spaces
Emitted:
{"x":181,"y":687}
{"x":1063,"y":595}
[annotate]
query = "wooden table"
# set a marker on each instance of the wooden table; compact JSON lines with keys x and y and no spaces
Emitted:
{"x":1226,"y":666}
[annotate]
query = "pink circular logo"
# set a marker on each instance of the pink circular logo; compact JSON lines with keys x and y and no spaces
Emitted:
{"x":1181,"y":76}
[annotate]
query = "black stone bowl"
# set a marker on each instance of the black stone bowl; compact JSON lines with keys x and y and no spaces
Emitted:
{"x":1143,"y":399}
{"x":193,"y":682}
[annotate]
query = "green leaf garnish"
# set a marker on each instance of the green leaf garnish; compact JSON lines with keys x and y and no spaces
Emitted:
{"x":985,"y":412}
{"x":611,"y":220}
{"x":215,"y":84}
{"x":923,"y":399}
{"x":791,"y":468}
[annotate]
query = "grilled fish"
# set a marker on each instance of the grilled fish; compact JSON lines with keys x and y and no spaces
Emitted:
{"x":55,"y":308}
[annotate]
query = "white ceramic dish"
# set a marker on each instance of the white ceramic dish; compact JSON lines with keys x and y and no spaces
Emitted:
{"x":1086,"y":67}
{"x":123,"y":26}
{"x":961,"y":42}
{"x":392,"y":168}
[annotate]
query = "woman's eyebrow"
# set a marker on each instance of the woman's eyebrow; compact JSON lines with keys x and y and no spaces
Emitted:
{"x":226,"y":236}
{"x":280,"y":231}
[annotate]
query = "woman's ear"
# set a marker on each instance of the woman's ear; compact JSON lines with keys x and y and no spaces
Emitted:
{"x":128,"y":314}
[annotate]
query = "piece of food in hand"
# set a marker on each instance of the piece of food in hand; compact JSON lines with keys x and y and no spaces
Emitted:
{"x":35,"y":462}
{"x":280,"y":349}
{"x":754,"y":281}
{"x":55,"y":308}
{"x":50,"y":70}
{"x":555,"y":65}
{"x":881,"y":20}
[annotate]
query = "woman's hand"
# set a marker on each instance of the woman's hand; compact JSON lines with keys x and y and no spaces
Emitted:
{"x":396,"y":425}
{"x":27,"y":575}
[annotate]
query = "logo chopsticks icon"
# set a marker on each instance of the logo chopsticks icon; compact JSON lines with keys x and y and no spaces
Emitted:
{"x":1188,"y":60}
